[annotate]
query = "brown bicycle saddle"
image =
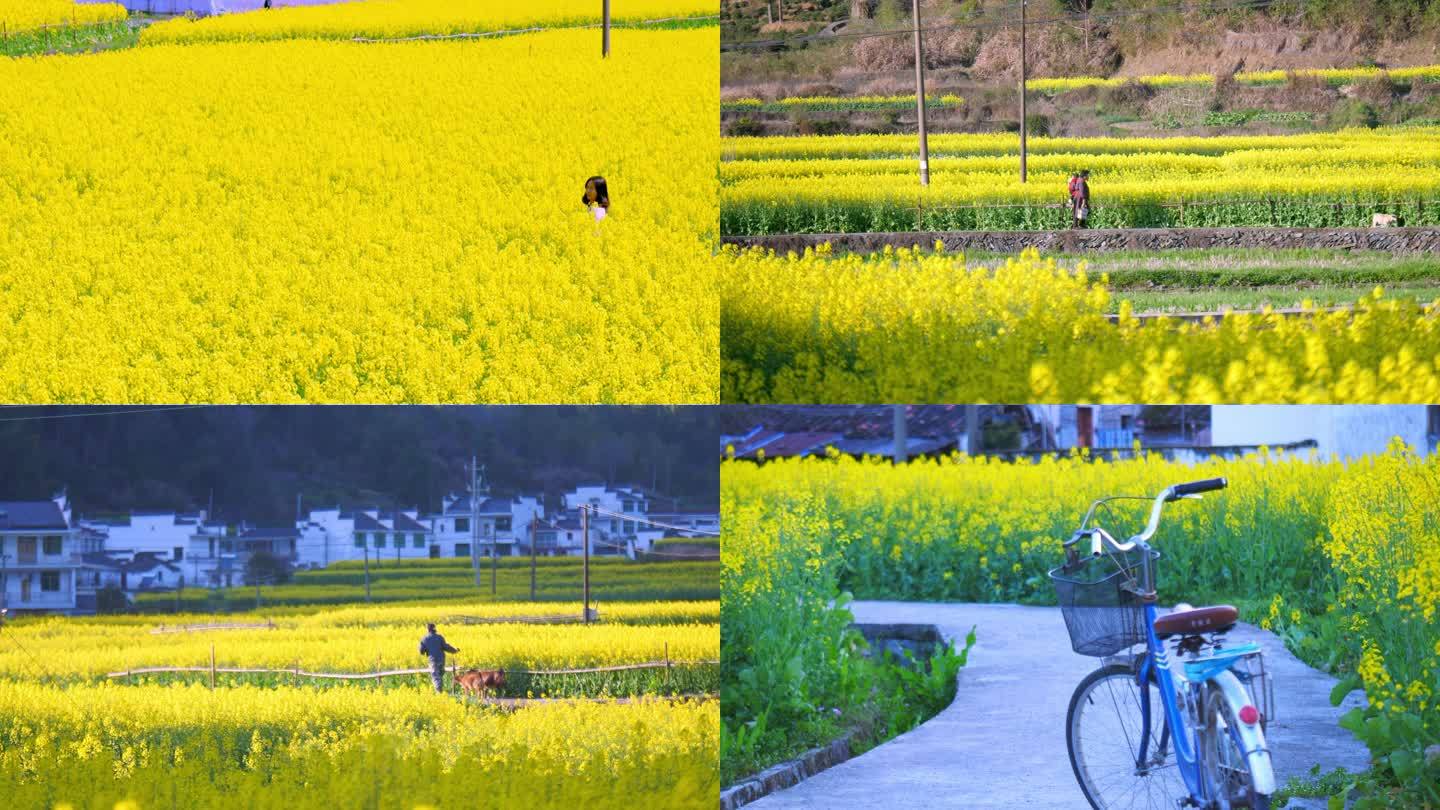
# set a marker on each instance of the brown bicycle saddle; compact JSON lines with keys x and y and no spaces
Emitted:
{"x":1194,"y":621}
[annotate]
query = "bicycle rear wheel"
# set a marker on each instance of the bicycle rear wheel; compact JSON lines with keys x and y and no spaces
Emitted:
{"x":1226,"y":771}
{"x":1104,"y":729}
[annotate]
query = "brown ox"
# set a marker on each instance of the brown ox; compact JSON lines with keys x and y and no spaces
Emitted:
{"x":479,"y":682}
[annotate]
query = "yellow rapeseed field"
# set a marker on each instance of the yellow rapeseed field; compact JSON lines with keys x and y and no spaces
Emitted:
{"x":91,"y":648}
{"x":1335,"y":76}
{"x":319,"y":222}
{"x":154,"y":745}
{"x":68,"y":733}
{"x":402,"y":18}
{"x":910,"y":326}
{"x":19,"y":15}
{"x":830,"y":184}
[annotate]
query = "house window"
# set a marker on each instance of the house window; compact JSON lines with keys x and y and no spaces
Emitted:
{"x":379,"y":540}
{"x":417,"y":540}
{"x":26,"y":548}
{"x":462,"y":549}
{"x":180,"y":555}
{"x":627,"y":506}
{"x":502,"y":524}
{"x":50,"y":581}
{"x":630,"y":528}
{"x":359,"y":539}
{"x":462,"y":524}
{"x":227,"y":546}
{"x":52,"y":546}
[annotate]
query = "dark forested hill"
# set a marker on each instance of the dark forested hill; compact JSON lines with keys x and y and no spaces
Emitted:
{"x":257,"y":459}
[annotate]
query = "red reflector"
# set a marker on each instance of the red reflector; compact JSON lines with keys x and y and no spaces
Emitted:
{"x":1249,"y":715}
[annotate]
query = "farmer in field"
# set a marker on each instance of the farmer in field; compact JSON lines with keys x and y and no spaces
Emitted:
{"x":597,"y":197}
{"x":434,"y":647}
{"x":1080,"y":199}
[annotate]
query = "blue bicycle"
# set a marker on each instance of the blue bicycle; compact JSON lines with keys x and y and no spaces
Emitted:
{"x":1179,"y":723}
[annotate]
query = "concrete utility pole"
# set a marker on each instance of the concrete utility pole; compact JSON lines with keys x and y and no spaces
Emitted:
{"x":474,"y":522}
{"x":920,"y":97}
{"x":972,"y":430}
{"x":902,"y":441}
{"x":367,"y":571}
{"x":534,"y":533}
{"x":585,"y":543}
{"x":1024,"y":70}
{"x":605,"y":26}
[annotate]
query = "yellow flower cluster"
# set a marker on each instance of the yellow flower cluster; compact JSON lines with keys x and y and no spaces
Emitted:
{"x":978,"y":528}
{"x":868,"y":183}
{"x":360,"y":640}
{"x":403,"y":18}
{"x":19,"y":15}
{"x":1384,"y":543}
{"x":153,"y":745}
{"x":337,"y":222}
{"x":906,"y":326}
{"x":1425,"y":73}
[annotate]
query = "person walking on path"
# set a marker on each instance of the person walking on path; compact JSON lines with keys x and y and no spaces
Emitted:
{"x":1080,"y":199}
{"x":434,"y":647}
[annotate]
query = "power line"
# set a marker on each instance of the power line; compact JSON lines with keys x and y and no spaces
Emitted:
{"x":597,"y":510}
{"x":98,"y":413}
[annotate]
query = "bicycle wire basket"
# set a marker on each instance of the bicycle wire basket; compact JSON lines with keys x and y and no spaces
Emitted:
{"x":1098,"y":599}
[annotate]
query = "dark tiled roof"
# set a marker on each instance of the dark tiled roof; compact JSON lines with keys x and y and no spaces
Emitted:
{"x":495,"y":506}
{"x":31,"y":515}
{"x":99,"y":559}
{"x":365,"y":523}
{"x":406,"y":523}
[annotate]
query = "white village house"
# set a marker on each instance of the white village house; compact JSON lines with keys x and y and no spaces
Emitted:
{"x":40,"y":555}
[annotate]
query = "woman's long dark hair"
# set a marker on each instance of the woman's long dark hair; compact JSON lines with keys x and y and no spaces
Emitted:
{"x":602,"y":194}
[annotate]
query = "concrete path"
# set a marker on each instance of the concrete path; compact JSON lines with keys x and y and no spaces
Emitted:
{"x":1001,"y":744}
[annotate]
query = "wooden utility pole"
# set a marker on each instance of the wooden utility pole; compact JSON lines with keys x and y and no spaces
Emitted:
{"x":1024,"y":71}
{"x":585,"y":543}
{"x":534,"y":533}
{"x":920,"y":97}
{"x":605,"y":29}
{"x":494,"y":560}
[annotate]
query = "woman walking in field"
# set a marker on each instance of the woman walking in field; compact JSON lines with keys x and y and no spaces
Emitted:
{"x":1080,"y":199}
{"x":597,"y":197}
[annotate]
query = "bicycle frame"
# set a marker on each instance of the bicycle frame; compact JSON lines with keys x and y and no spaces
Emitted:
{"x":1156,"y":661}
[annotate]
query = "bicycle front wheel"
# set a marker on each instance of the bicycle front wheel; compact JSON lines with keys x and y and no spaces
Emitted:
{"x":1120,"y":760}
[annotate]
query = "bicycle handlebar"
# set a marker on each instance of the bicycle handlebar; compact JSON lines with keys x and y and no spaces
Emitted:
{"x":1099,"y":538}
{"x":1197,"y":487}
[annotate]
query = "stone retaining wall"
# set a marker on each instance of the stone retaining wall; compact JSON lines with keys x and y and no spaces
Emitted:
{"x":1393,"y":240}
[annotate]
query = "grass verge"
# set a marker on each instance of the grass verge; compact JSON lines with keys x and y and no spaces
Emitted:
{"x":70,"y":39}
